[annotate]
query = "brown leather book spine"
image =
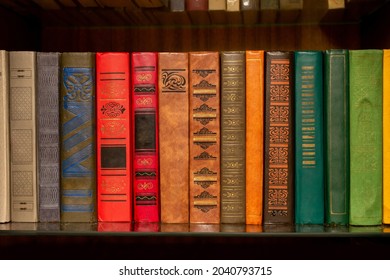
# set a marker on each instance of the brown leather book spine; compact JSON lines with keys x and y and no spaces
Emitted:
{"x":204,"y":137}
{"x":173,"y":135}
{"x":254,"y":136}
{"x":278,"y":158}
{"x":233,"y":137}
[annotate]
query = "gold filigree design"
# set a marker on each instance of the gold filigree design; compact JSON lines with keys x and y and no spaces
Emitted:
{"x":109,"y":186}
{"x":144,"y":77}
{"x":145,"y":161}
{"x":144,"y":101}
{"x":145,"y":186}
{"x":113,"y":128}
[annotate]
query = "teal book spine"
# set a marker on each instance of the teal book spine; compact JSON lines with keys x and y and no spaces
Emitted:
{"x":366,"y":86}
{"x":309,"y":140}
{"x":336,"y":107}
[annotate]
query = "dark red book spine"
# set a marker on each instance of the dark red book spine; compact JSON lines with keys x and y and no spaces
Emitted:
{"x":145,"y":136}
{"x":113,"y":137}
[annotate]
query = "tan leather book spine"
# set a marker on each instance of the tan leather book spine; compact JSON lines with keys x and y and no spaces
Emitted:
{"x":233,"y":137}
{"x":173,"y":136}
{"x":24,"y":197}
{"x":254,"y":136}
{"x":204,"y":137}
{"x":5,"y":201}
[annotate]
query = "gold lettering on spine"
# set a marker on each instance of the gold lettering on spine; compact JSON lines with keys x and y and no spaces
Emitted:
{"x":308,"y":120}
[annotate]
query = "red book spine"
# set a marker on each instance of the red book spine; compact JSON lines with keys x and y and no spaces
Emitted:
{"x":145,"y":136}
{"x":113,"y":137}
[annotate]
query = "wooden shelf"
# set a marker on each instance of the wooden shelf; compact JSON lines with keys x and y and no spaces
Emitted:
{"x":85,"y":241}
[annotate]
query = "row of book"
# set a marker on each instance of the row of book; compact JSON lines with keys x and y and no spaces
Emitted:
{"x":186,"y":12}
{"x":201,"y":137}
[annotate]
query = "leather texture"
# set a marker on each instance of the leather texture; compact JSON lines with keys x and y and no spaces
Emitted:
{"x":23,"y":135}
{"x":78,"y":141}
{"x":309,"y":138}
{"x":233,"y":125}
{"x":5,"y":187}
{"x":204,"y":137}
{"x":279,"y":139}
{"x":145,"y":130}
{"x":336,"y":107}
{"x":48,"y":65}
{"x":366,"y":77}
{"x":254,"y":136}
{"x":113,"y":114}
{"x":173,"y":136}
{"x":386,"y":136}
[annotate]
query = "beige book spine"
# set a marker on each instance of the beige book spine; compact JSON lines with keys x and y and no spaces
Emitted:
{"x":22,"y":67}
{"x":5,"y":208}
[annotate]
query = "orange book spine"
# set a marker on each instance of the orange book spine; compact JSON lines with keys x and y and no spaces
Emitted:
{"x":254,"y":136}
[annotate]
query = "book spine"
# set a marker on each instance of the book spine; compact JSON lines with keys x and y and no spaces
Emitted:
{"x":113,"y":113}
{"x":366,"y":77}
{"x":5,"y":189}
{"x":336,"y":107}
{"x":232,"y":5}
{"x":197,"y":5}
{"x":204,"y":137}
{"x":233,"y":137}
{"x":78,"y":141}
{"x":250,"y":5}
{"x":309,"y":136}
{"x":278,"y":149}
{"x":198,"y":11}
{"x":48,"y":65}
{"x":386,"y":136}
{"x":24,"y":197}
{"x":145,"y":131}
{"x":173,"y":102}
{"x":254,"y":136}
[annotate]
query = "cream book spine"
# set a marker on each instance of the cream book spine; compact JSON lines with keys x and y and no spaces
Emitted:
{"x":5,"y":199}
{"x":22,"y":71}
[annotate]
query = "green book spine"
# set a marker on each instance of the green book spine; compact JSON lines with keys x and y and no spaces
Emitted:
{"x":336,"y":85}
{"x":366,"y":136}
{"x":309,"y":156}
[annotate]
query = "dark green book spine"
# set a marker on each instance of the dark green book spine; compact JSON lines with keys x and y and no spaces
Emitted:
{"x":309,"y":141}
{"x":336,"y":85}
{"x":366,"y":85}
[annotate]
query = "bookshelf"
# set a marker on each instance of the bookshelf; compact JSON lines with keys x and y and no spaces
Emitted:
{"x":68,"y":26}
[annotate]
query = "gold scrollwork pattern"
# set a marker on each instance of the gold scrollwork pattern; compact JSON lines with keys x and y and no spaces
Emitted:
{"x":144,"y":101}
{"x":144,"y":77}
{"x":145,"y":186}
{"x":145,"y":161}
